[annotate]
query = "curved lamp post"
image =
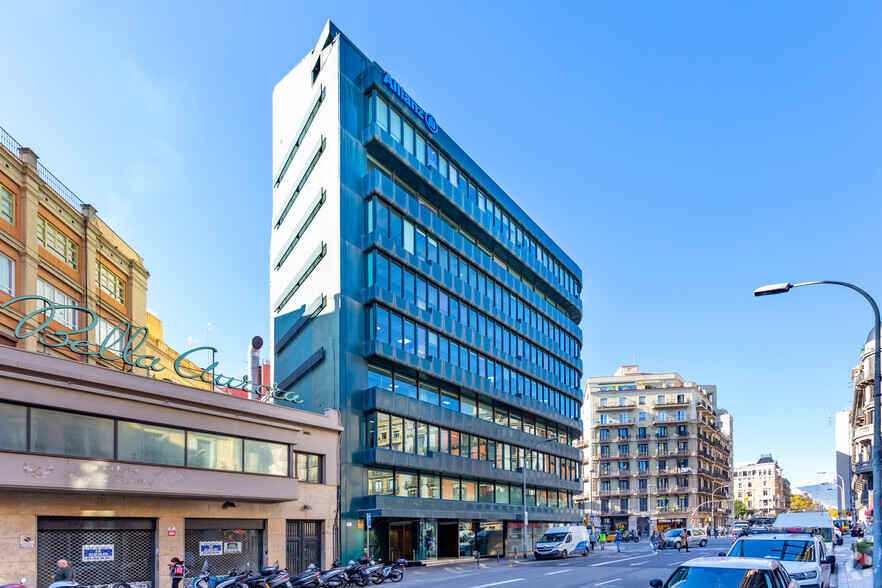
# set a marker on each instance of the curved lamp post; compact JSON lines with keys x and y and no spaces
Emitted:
{"x":524,"y":470}
{"x":877,"y":403}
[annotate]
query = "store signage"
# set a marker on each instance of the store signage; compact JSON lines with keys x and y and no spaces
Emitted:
{"x":97,"y":553}
{"x":233,"y":547}
{"x":122,"y":344}
{"x":368,"y":517}
{"x":207,"y":548}
{"x":424,"y":116}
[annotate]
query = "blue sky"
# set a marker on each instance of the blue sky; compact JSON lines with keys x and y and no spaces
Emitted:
{"x":682,"y":153}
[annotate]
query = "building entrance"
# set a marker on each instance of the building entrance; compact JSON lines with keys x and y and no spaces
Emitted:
{"x":401,"y":540}
{"x":448,"y":538}
{"x":303,"y":545}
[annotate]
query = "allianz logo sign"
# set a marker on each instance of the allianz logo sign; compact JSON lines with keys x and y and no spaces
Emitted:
{"x":424,"y":116}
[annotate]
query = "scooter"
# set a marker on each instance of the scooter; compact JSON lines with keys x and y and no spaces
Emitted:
{"x":276,"y":578}
{"x":22,"y":585}
{"x":308,"y":578}
{"x":334,"y":577}
{"x":354,"y":573}
{"x":393,"y":573}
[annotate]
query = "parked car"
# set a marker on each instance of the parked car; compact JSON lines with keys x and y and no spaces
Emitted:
{"x":822,"y":520}
{"x":725,"y":572}
{"x":803,"y":555}
{"x":671,"y":538}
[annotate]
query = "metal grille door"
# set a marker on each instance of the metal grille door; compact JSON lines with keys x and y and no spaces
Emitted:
{"x":129,"y":560}
{"x":304,"y":545}
{"x":239,"y":548}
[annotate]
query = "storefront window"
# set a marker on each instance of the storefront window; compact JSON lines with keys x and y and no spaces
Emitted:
{"x":427,"y":547}
{"x":13,"y":427}
{"x":466,"y":538}
{"x":61,"y":433}
{"x":214,"y":452}
{"x":266,"y":458}
{"x":150,"y":444}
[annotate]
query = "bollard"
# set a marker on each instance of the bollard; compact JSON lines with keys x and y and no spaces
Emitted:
{"x":477,"y":559}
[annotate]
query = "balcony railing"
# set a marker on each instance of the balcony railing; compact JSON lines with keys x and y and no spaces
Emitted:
{"x":626,"y":406}
{"x":863,"y":431}
{"x":609,"y":423}
{"x":670,"y":419}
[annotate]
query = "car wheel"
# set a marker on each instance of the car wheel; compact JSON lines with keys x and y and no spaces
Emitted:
{"x":703,"y":543}
{"x":563,"y":554}
{"x":677,"y":545}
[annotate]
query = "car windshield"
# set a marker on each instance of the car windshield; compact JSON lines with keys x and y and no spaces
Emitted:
{"x":700,"y":577}
{"x":552,"y":537}
{"x":784,"y":550}
{"x":674,"y":533}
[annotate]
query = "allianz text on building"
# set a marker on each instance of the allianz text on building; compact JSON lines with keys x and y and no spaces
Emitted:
{"x":109,"y":465}
{"x":409,"y":291}
{"x":657,"y":452}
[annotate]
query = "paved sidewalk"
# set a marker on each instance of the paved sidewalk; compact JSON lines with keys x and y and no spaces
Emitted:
{"x":848,"y":576}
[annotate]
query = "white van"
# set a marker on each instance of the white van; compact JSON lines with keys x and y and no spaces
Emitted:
{"x":822,"y":520}
{"x":562,"y":542}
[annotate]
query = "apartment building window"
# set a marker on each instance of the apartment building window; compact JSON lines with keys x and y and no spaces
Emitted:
{"x":7,"y":275}
{"x":641,"y":400}
{"x":624,"y":485}
{"x":641,"y":433}
{"x":622,"y":401}
{"x":660,"y":399}
{"x":603,"y":419}
{"x":53,"y":239}
{"x":7,"y":205}
{"x":624,"y":466}
{"x":603,"y":402}
{"x":623,"y":450}
{"x":109,"y":283}
{"x":623,"y":433}
{"x":643,"y":465}
{"x":623,"y":503}
{"x":681,"y":415}
{"x":623,"y":418}
{"x":642,"y":448}
{"x":308,"y":467}
{"x":604,"y":434}
{"x":604,"y":451}
{"x":65,"y":316}
{"x":681,"y":398}
{"x":109,"y":335}
{"x":604,"y":486}
{"x":663,"y":483}
{"x":641,"y":416}
{"x":682,"y":502}
{"x":662,"y":465}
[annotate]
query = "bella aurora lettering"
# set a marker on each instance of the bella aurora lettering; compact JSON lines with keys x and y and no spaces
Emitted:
{"x":121,"y":344}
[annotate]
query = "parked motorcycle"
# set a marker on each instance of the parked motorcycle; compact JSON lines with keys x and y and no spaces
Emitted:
{"x":393,"y":572}
{"x":310,"y":577}
{"x":276,"y":578}
{"x":335,"y":577}
{"x":354,"y":572}
{"x":22,"y":585}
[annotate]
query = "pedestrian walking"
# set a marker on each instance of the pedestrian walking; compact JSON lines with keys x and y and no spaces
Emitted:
{"x":602,"y":539}
{"x":177,"y":570}
{"x":618,"y":541}
{"x":65,"y":573}
{"x":653,"y":540}
{"x":684,"y":540}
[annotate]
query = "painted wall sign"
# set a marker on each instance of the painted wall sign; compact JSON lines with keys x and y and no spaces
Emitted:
{"x":207,"y":548}
{"x":424,"y":116}
{"x":122,"y":344}
{"x":97,"y":552}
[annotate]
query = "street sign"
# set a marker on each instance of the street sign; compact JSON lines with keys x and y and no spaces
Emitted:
{"x":26,"y":542}
{"x":368,"y":517}
{"x":171,"y":532}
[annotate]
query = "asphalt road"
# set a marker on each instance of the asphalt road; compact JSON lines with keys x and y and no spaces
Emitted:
{"x":634,"y":566}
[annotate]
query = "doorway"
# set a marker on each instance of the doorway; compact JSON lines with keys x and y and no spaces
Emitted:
{"x":401,"y":540}
{"x":448,"y":538}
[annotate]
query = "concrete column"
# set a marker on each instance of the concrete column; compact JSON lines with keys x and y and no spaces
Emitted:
{"x":276,"y":541}
{"x":87,"y":271}
{"x":29,"y":198}
{"x":169,"y":547}
{"x":15,"y":562}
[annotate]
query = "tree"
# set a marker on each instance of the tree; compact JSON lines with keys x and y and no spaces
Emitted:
{"x":740,"y":509}
{"x":833,"y":513}
{"x":803,"y":504}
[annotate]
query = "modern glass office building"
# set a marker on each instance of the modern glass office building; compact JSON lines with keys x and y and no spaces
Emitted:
{"x":412,"y":294}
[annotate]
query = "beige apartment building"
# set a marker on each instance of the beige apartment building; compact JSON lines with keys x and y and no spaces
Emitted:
{"x":862,"y":431}
{"x":762,"y":487}
{"x":655,"y":452}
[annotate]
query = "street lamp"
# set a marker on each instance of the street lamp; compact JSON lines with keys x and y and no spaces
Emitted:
{"x":713,"y":503}
{"x":877,"y":409}
{"x":841,"y":493}
{"x":524,"y":470}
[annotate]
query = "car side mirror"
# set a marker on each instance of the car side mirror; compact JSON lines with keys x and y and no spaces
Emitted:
{"x":830,"y":559}
{"x":721,"y":554}
{"x":656,"y":583}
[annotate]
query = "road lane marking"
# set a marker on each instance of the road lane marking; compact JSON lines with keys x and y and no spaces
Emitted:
{"x":640,"y":563}
{"x":557,"y":572}
{"x":607,"y":582}
{"x":618,"y":560}
{"x":676,"y":563}
{"x":498,"y":583}
{"x":569,"y":563}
